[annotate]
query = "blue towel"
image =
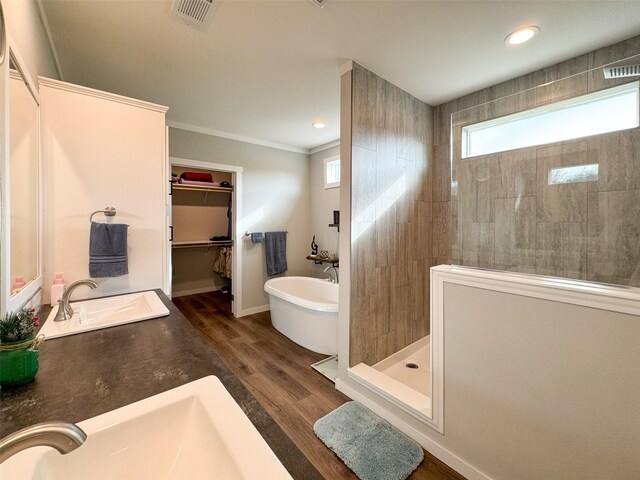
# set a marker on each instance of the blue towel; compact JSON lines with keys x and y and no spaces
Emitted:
{"x":256,"y":237}
{"x":275,"y":247}
{"x":108,"y":250}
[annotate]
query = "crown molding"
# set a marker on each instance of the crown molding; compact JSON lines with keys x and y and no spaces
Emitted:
{"x":326,"y":146}
{"x":69,"y":87}
{"x":233,"y":136}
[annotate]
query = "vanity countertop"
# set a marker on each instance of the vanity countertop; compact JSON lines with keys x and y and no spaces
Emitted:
{"x":85,"y":375}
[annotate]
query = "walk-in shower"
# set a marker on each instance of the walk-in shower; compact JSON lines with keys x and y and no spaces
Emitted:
{"x":539,"y":175}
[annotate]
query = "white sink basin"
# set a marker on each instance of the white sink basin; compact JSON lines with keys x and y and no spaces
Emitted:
{"x":195,"y":431}
{"x":105,"y":312}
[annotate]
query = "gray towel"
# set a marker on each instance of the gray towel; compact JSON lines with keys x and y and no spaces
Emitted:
{"x":256,"y":237}
{"x":275,"y":247}
{"x":108,"y":250}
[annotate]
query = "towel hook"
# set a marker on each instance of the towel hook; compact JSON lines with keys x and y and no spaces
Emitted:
{"x":108,"y":212}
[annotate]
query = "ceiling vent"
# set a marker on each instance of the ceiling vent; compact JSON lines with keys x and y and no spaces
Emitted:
{"x":196,"y":13}
{"x":319,"y":3}
{"x":621,"y":71}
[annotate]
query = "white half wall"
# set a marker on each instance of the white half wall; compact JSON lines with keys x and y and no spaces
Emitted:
{"x":99,"y":152}
{"x":536,"y":384}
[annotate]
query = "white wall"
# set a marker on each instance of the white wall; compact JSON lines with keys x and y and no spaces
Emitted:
{"x":323,"y":203}
{"x":25,"y":27}
{"x":275,"y":197}
{"x":97,"y":153}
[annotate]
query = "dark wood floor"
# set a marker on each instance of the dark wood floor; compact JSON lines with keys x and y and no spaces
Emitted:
{"x":278,"y":374}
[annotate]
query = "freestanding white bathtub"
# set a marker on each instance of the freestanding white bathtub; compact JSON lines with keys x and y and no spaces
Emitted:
{"x":305,"y":309}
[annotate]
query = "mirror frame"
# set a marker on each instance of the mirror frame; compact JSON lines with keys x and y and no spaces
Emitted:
{"x":7,"y":301}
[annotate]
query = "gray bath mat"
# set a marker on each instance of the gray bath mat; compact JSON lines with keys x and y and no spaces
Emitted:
{"x":367,"y":444}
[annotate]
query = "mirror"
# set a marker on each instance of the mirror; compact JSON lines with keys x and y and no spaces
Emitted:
{"x":24,"y":180}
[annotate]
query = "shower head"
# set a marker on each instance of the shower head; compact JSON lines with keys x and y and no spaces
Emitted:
{"x":622,"y":71}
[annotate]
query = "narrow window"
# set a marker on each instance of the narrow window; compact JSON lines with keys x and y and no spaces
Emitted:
{"x":604,"y":111}
{"x":576,"y":174}
{"x":332,"y":172}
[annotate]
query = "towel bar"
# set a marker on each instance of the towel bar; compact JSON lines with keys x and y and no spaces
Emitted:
{"x":108,"y":211}
{"x":248,"y":234}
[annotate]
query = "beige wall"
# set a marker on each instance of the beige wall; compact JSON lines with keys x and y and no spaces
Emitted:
{"x":275,"y":197}
{"x":323,"y":203}
{"x":390,"y":218}
{"x":504,"y":214}
{"x":539,"y":389}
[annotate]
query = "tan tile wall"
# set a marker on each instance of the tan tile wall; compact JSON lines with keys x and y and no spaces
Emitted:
{"x":391,"y":218}
{"x":504,"y":215}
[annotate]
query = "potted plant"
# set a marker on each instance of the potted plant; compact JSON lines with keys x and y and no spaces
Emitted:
{"x":19,"y":347}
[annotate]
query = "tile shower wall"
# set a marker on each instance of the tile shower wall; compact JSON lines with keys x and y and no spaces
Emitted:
{"x":498,"y":211}
{"x":391,"y":218}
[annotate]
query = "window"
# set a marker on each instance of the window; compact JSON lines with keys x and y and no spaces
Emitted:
{"x":605,"y":111}
{"x":332,"y":172}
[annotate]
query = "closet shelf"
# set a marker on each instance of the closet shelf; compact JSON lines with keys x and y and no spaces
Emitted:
{"x":202,"y":243}
{"x":196,"y":188}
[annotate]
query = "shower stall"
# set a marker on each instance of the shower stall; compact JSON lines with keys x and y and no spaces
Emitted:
{"x":539,"y":175}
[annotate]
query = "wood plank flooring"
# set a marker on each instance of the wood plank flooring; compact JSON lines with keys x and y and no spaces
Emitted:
{"x":278,"y":374}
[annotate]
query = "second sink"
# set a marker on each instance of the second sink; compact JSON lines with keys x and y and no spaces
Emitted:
{"x":105,"y":312}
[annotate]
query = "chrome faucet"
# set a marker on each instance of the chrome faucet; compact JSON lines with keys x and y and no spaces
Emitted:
{"x":64,"y":437}
{"x":332,"y":278}
{"x":65,"y":312}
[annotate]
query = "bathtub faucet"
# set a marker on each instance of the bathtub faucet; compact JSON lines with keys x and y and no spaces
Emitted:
{"x":333,"y":278}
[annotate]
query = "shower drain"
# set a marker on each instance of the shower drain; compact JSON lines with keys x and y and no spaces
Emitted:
{"x":411,"y":365}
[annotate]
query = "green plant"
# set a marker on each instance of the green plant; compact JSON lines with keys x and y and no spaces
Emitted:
{"x":17,"y":326}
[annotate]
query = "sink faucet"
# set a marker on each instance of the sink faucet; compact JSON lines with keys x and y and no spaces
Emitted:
{"x":64,"y":437}
{"x":333,"y":278}
{"x":65,"y":312}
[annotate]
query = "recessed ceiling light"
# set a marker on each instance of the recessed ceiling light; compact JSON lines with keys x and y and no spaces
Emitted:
{"x":319,"y":124}
{"x":521,"y":35}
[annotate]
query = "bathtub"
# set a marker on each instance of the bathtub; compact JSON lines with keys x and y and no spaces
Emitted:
{"x":305,"y":309}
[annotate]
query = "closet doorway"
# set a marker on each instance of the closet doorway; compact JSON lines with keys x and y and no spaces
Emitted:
{"x":206,"y":247}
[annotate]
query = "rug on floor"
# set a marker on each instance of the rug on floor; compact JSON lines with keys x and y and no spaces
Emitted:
{"x":367,"y":444}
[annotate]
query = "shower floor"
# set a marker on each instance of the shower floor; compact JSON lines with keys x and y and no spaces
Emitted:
{"x":416,"y":354}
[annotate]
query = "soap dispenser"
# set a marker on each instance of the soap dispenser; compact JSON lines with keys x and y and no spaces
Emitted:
{"x":57,"y":289}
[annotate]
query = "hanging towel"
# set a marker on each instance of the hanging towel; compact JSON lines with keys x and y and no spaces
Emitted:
{"x":256,"y":237}
{"x":108,"y":250}
{"x":275,"y":247}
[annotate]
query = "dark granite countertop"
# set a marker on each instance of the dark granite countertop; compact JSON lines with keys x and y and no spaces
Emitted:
{"x":88,"y":374}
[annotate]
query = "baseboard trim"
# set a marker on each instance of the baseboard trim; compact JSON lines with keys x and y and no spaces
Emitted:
{"x":431,"y":446}
{"x":251,"y":311}
{"x":193,"y":291}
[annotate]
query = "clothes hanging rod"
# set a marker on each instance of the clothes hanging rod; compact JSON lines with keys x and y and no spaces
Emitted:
{"x":108,"y":212}
{"x":248,"y":234}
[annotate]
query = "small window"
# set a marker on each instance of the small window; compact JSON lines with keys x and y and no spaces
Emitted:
{"x":604,"y":111}
{"x":332,"y":172}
